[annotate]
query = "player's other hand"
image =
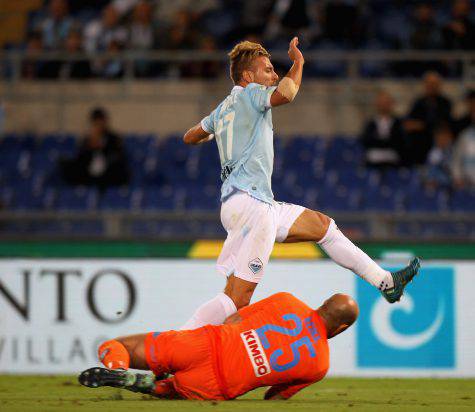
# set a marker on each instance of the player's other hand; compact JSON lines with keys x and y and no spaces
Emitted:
{"x":294,"y":53}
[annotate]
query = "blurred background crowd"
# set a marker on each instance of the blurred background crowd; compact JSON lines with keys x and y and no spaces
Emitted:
{"x":208,"y":25}
{"x":417,"y":157}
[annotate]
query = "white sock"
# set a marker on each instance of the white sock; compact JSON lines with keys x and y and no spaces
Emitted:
{"x":213,"y":312}
{"x":348,"y":255}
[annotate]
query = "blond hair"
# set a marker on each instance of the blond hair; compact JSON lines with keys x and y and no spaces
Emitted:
{"x":241,"y":57}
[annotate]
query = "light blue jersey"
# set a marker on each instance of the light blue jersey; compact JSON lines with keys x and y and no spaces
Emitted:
{"x":242,"y":125}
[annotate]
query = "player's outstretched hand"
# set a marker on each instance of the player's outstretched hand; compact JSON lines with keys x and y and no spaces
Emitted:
{"x":294,"y":53}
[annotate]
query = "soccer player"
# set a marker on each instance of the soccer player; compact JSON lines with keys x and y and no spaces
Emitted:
{"x":278,"y":342}
{"x":242,"y":128}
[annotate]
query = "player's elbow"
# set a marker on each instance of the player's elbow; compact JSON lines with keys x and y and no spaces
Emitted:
{"x":188,"y":137}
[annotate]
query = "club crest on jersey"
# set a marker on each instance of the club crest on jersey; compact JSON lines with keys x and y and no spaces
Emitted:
{"x":255,"y":265}
{"x":256,"y":353}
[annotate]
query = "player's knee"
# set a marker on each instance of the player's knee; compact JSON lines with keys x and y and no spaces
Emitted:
{"x":321,"y":223}
{"x":323,"y":220}
{"x":240,"y":291}
{"x":241,"y":299}
{"x":127,"y":343}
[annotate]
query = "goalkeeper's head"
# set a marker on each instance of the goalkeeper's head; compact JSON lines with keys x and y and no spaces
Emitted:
{"x":338,"y":313}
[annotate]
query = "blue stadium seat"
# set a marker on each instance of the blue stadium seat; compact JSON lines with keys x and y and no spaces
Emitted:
{"x":343,"y":152}
{"x":168,"y":175}
{"x":463,"y":201}
{"x":339,"y":199}
{"x":138,"y":147}
{"x":327,"y":68}
{"x":383,"y":199}
{"x":77,"y":198}
{"x":17,"y":142}
{"x":63,"y":145}
{"x":25,"y":199}
{"x":203,"y":198}
{"x":427,"y":200}
{"x":45,"y":162}
{"x":162,"y":198}
{"x":121,"y":198}
{"x":6,"y":197}
{"x":86,"y":228}
{"x":172,"y":157}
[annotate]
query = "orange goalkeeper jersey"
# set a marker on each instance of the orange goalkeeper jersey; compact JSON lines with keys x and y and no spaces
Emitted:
{"x":281,"y":342}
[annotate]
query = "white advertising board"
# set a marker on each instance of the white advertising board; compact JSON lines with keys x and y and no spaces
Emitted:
{"x":53,"y":313}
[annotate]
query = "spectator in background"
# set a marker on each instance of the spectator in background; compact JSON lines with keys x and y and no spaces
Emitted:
{"x":34,"y":68}
{"x":142,"y":31}
{"x":101,"y":160}
{"x":427,"y":112}
{"x":341,"y":22}
{"x":166,"y":11}
{"x":254,"y":17}
{"x":207,"y":69}
{"x":463,"y":159}
{"x":180,"y":36}
{"x":383,"y":135}
{"x":100,"y":34}
{"x":112,"y":66}
{"x":291,"y":18}
{"x":55,"y":26}
{"x":459,"y":33}
{"x":469,"y":118}
{"x":142,"y":36}
{"x":437,"y":169}
{"x":75,"y":69}
{"x":108,"y":35}
{"x":123,"y":7}
{"x":30,"y":66}
{"x":424,"y":33}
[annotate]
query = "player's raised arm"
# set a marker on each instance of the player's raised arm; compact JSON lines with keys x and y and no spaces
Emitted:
{"x":202,"y":132}
{"x":289,"y":85}
{"x":197,"y":135}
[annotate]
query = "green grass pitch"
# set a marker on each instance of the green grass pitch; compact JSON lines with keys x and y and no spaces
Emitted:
{"x":63,"y":393}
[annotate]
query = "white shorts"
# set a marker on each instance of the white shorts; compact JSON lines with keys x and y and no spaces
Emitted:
{"x":253,"y":227}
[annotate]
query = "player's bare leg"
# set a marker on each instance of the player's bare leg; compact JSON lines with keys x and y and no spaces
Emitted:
{"x":309,"y":226}
{"x":240,"y":291}
{"x":237,"y":294}
{"x":315,"y":226}
{"x":135,"y":346}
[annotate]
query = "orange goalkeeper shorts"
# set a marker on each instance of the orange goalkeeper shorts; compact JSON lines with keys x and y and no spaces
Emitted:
{"x":189,"y":356}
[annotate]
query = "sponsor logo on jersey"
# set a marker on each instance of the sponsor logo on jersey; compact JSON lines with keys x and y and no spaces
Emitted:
{"x":255,"y":265}
{"x":256,"y":353}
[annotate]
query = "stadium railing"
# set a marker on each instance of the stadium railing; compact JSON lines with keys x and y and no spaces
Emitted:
{"x":351,"y":61}
{"x":191,"y":225}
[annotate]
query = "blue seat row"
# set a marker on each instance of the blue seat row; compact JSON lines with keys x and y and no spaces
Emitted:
{"x":326,"y":174}
{"x":206,"y":197}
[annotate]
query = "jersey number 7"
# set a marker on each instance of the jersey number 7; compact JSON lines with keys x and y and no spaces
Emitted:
{"x":224,"y":132}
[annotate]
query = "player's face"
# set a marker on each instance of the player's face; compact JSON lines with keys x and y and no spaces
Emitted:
{"x":264,"y":72}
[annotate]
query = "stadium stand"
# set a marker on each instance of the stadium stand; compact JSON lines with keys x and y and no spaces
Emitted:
{"x":144,"y":26}
{"x":167,"y":176}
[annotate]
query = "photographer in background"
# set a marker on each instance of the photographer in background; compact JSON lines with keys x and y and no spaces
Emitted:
{"x":463,"y":158}
{"x":101,"y":160}
{"x":427,"y":113}
{"x":383,"y":135}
